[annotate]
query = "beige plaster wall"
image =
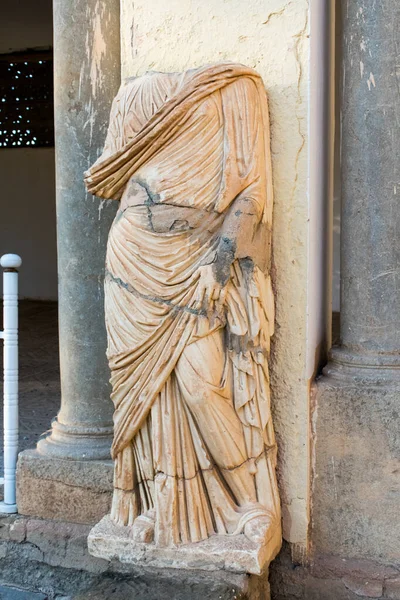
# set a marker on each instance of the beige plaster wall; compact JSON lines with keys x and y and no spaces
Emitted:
{"x":271,"y":36}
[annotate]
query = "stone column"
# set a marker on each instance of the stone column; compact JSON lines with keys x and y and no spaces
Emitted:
{"x":87,"y":77}
{"x":69,"y":477}
{"x":370,"y":224}
{"x":355,"y":422}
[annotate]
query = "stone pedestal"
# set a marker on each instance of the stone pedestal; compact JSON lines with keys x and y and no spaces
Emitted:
{"x":218,"y":553}
{"x":356,"y":500}
{"x":78,"y":491}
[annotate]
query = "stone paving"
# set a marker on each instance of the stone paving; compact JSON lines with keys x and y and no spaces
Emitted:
{"x":39,"y":387}
{"x":11,"y":593}
{"x":51,"y":558}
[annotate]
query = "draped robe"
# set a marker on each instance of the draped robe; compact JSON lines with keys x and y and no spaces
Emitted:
{"x":194,"y":446}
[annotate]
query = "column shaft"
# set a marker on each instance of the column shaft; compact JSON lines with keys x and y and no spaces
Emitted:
{"x":87,"y":76}
{"x":370,"y":225}
{"x":356,"y":444}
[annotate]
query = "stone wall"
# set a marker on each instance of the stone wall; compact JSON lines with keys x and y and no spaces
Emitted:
{"x":50,"y":559}
{"x":331,"y":577}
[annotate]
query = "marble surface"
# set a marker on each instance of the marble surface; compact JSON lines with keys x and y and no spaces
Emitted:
{"x":227,"y":553}
{"x":189,"y":307}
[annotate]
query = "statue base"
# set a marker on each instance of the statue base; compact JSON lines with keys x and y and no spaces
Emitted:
{"x":220,"y":552}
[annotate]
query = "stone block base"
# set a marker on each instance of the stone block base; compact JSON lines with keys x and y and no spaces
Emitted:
{"x":356,"y":489}
{"x":227,"y":553}
{"x":156,"y":585}
{"x":65,"y":490}
{"x":331,"y":577}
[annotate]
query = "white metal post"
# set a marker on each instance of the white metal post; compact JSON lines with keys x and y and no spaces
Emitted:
{"x":10,"y":263}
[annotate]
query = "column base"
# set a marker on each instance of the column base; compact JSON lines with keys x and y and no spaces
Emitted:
{"x":77,"y":443}
{"x":356,"y":499}
{"x":77,"y":491}
{"x":363,"y":366}
{"x":8,"y":509}
{"x":153,"y":584}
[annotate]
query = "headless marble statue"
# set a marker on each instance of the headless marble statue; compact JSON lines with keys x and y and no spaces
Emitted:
{"x":189,"y":306}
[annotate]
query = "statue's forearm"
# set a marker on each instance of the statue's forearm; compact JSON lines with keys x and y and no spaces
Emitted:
{"x":236,"y":234}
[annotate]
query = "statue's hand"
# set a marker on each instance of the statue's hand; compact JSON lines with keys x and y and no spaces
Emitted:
{"x":210,"y":292}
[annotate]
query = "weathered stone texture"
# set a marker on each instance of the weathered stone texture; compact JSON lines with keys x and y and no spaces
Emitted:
{"x":223,"y":553}
{"x":370,"y":110}
{"x":356,"y":454}
{"x":87,"y":75}
{"x":272,"y":37}
{"x":332,"y":578}
{"x":20,"y":570}
{"x":11,"y":593}
{"x":205,"y":468}
{"x":392,"y":589}
{"x":146,"y":586}
{"x":51,"y":542}
{"x":51,"y":488}
{"x":51,"y":557}
{"x":364,"y":587}
{"x":356,"y":494}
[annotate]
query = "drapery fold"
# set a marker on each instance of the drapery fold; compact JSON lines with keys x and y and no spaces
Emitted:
{"x":124,"y":155}
{"x":194,"y":446}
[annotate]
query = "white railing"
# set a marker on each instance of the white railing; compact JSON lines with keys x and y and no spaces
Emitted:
{"x":10,"y":264}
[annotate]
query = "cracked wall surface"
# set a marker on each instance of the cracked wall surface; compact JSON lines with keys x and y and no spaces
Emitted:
{"x":272,"y":37}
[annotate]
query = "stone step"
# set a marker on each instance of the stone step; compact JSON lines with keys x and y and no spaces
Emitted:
{"x":51,"y":558}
